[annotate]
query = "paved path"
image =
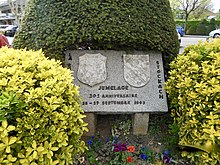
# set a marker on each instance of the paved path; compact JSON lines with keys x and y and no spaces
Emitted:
{"x":190,"y":40}
{"x":10,"y":40}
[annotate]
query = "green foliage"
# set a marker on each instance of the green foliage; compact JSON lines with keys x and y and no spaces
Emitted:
{"x":10,"y":107}
{"x":40,"y":97}
{"x":191,"y":30}
{"x":212,"y":26}
{"x":201,"y":29}
{"x":193,"y":88}
{"x":121,"y":128}
{"x":192,"y":26}
{"x":55,"y":25}
{"x":173,"y":138}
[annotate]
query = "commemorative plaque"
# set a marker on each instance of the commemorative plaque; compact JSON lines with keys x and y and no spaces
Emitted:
{"x":118,"y":81}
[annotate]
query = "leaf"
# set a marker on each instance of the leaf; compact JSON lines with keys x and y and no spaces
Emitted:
{"x":55,"y":162}
{"x":20,"y":155}
{"x":11,"y":158}
{"x":12,"y":140}
{"x":4,"y":124}
{"x":34,"y":144}
{"x":8,"y":149}
{"x":35,"y":155}
{"x":24,"y":162}
{"x":29,"y":150}
{"x":5,"y":140}
{"x":40,"y":149}
{"x":54,"y":148}
{"x":2,"y":146}
{"x":10,"y":128}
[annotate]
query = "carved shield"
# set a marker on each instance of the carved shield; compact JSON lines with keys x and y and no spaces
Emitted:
{"x":136,"y":70}
{"x":92,"y":69}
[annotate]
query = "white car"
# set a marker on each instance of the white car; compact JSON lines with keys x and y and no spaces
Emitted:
{"x":214,"y":33}
{"x":179,"y":37}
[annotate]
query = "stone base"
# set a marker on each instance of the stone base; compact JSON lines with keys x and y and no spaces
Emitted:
{"x":140,"y":123}
{"x":91,"y":119}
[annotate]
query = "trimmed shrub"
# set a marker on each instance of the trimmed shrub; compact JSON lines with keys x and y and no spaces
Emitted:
{"x":55,"y":25}
{"x":194,"y":91}
{"x":212,"y":26}
{"x":192,"y":25}
{"x":41,"y":98}
{"x":201,"y":29}
{"x":192,"y":30}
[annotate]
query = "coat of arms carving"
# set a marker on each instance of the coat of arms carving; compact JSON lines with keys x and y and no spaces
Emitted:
{"x":92,"y":69}
{"x":136,"y":69}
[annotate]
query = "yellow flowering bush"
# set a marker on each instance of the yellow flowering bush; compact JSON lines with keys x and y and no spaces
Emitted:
{"x":50,"y":125}
{"x":194,"y":91}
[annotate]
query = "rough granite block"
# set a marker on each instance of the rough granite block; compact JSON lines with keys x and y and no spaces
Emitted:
{"x":91,"y":119}
{"x":140,"y":123}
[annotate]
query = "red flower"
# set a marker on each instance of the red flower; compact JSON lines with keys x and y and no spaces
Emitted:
{"x":131,"y":148}
{"x":129,"y":159}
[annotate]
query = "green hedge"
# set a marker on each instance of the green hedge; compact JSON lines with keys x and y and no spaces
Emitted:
{"x":200,"y":27}
{"x":55,"y":25}
{"x":193,"y":88}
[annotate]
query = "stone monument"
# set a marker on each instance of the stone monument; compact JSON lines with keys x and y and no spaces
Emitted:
{"x":115,"y":82}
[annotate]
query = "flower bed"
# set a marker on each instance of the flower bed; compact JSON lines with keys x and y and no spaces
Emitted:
{"x":121,"y":147}
{"x":113,"y":151}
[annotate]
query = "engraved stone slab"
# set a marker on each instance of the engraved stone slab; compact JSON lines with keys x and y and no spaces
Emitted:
{"x":92,"y":69}
{"x":118,"y":81}
{"x":136,"y":69}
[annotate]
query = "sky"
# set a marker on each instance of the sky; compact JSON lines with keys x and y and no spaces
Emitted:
{"x":216,"y":4}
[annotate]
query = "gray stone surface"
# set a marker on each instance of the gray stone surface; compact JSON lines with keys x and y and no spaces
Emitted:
{"x":130,"y":82}
{"x":91,"y":119}
{"x":92,"y":69}
{"x":140,"y":123}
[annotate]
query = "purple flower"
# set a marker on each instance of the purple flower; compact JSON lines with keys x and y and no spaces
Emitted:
{"x":166,"y":159}
{"x":116,"y":148}
{"x":119,"y":147}
{"x":123,"y":147}
{"x":144,"y":156}
{"x":93,"y":137}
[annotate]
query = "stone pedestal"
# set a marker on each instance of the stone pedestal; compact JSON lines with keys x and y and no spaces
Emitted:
{"x":117,"y":82}
{"x":140,"y":123}
{"x":91,"y":119}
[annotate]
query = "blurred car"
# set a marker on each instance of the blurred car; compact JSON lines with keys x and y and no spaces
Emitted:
{"x":180,"y":30}
{"x":10,"y":30}
{"x":3,"y":28}
{"x":214,"y":33}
